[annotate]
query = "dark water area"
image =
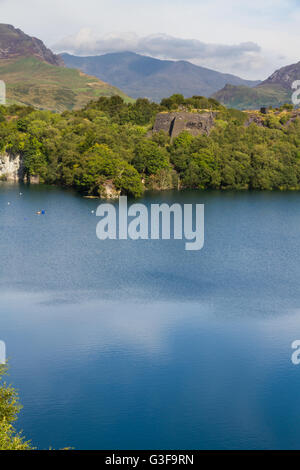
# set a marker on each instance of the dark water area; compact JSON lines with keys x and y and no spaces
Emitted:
{"x":142,"y":345}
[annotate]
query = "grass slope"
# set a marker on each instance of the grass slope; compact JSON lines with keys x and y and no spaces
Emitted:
{"x":242,"y":97}
{"x":35,"y":83}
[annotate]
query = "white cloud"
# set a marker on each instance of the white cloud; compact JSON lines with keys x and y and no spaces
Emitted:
{"x":245,"y":58}
{"x":160,"y":45}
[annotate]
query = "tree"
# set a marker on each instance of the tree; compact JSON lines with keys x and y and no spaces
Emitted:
{"x":10,"y":439}
{"x":173,"y":102}
{"x":142,"y":111}
{"x":34,"y":160}
{"x":150,"y":158}
{"x":100,"y":164}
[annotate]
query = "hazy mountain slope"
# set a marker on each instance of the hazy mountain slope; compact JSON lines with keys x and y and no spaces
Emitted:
{"x":141,"y":76}
{"x":274,"y":91}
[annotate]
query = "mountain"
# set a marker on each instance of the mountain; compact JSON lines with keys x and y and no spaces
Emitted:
{"x":15,"y":44}
{"x":275,"y":91}
{"x":35,"y":76}
{"x":141,"y":76}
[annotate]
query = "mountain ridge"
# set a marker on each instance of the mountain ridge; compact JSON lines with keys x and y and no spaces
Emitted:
{"x":148,"y":77}
{"x":275,"y":91}
{"x":14,"y":43}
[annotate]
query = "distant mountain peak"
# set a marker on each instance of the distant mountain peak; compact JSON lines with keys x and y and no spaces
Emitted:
{"x":285,"y":76}
{"x":145,"y":76}
{"x":15,"y":44}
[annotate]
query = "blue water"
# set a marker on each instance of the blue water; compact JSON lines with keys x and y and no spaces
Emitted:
{"x":143,"y":345}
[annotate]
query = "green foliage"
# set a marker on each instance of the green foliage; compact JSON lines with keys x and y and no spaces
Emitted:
{"x":196,"y":102}
{"x":149,"y":158}
{"x":10,"y":439}
{"x":240,"y":157}
{"x":272,"y":122}
{"x":141,"y":113}
{"x":2,"y":114}
{"x":287,"y":107}
{"x":244,"y":97}
{"x":34,"y":160}
{"x":173,"y":102}
{"x":231,"y":114}
{"x":108,"y":143}
{"x":100,"y":164}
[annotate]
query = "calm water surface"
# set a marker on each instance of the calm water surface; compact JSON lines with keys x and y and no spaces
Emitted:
{"x":132,"y":345}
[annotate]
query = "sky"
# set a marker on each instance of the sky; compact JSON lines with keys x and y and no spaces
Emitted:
{"x":247,"y":38}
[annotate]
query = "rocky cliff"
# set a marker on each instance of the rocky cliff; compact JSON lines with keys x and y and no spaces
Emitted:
{"x":177,"y":122}
{"x":284,"y":77}
{"x":11,"y":168}
{"x":15,"y":44}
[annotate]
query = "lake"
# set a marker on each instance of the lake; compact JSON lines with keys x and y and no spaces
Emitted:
{"x":143,"y":345}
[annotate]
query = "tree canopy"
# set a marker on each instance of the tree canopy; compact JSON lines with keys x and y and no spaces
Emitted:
{"x":10,"y":439}
{"x":110,"y":140}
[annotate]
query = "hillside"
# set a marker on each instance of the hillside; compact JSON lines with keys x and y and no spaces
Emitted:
{"x":242,"y":97}
{"x":274,"y":91}
{"x":16,"y":44}
{"x":141,"y":76}
{"x":32,"y":82}
{"x":35,"y":76}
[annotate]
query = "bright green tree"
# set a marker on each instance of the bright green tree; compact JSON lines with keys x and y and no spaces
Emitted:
{"x":10,"y":439}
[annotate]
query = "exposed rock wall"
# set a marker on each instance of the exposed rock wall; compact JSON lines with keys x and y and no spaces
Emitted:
{"x":109,"y":191}
{"x":11,"y":167}
{"x":174,"y":123}
{"x":15,"y":44}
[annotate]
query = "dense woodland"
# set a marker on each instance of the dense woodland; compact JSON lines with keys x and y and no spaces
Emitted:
{"x":110,"y":140}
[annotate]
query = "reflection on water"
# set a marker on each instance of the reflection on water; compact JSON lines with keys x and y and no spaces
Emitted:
{"x":124,"y":344}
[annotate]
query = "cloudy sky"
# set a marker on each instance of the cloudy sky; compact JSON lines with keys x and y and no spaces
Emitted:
{"x":247,"y":38}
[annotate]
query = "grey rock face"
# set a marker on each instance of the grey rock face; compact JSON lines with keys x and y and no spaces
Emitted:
{"x":16,"y":44}
{"x":177,"y":122}
{"x":11,"y":167}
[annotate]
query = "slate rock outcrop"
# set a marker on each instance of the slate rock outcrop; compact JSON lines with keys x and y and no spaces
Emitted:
{"x":175,"y":123}
{"x":14,"y":44}
{"x":11,"y":167}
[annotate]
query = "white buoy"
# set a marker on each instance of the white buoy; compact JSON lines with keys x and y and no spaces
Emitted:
{"x":8,"y":203}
